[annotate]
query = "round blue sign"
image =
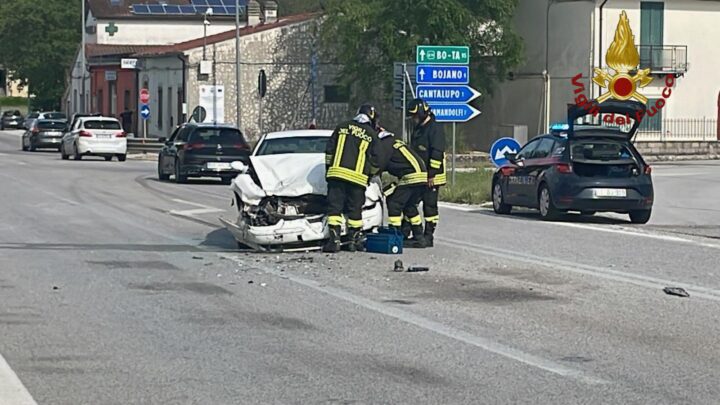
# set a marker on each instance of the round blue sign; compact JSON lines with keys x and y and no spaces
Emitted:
{"x":500,"y":148}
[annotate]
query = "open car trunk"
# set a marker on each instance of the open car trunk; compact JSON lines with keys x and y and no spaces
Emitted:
{"x":603,"y":158}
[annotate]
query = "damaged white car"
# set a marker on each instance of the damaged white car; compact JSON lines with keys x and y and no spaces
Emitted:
{"x":281,"y":196}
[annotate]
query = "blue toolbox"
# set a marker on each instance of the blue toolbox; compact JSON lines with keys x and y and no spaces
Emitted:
{"x":386,"y":240}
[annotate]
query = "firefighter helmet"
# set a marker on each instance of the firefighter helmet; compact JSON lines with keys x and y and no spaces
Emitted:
{"x":418,"y":107}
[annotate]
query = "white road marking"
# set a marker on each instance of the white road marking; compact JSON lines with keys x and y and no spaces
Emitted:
{"x":40,"y":189}
{"x":439,"y":328}
{"x":203,"y":209}
{"x":460,"y":207}
{"x":191,"y":203}
{"x":654,"y":283}
{"x":678,"y":174}
{"x":12,"y":390}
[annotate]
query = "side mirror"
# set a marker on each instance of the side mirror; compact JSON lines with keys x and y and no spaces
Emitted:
{"x":162,"y":139}
{"x":239,"y":166}
{"x":511,"y":157}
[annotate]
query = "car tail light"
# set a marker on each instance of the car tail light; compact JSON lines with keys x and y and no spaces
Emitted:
{"x":85,"y":134}
{"x":192,"y":146}
{"x":563,"y":168}
{"x":648,"y":170}
{"x":121,"y":134}
{"x":507,"y":171}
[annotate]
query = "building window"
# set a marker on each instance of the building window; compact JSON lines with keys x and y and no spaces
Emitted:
{"x":169,"y":107}
{"x":654,"y":123}
{"x":180,"y":116}
{"x":337,"y":94}
{"x":113,"y":98}
{"x":160,"y":107}
{"x":126,"y":100}
{"x":651,"y":32}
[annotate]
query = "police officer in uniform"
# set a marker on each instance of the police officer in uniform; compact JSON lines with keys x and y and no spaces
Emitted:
{"x":400,"y":161}
{"x":350,"y":160}
{"x":428,"y":141}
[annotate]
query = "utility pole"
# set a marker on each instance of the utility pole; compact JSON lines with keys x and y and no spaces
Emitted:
{"x":238,"y":109}
{"x":82,"y":61}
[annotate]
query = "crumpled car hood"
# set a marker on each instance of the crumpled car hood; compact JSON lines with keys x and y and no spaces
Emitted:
{"x":291,"y":175}
{"x":286,"y":175}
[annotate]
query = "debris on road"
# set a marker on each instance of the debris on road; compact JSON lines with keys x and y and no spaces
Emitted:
{"x":263,"y":284}
{"x":197,"y":258}
{"x":416,"y":269}
{"x":398,"y":266}
{"x":677,"y":291}
{"x":250,"y":282}
{"x":56,"y":287}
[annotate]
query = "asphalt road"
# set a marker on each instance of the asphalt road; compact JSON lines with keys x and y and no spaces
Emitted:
{"x":116,"y":288}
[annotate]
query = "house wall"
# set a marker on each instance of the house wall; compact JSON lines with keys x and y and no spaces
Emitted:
{"x":685,"y":22}
{"x":101,"y":95}
{"x":164,"y":73}
{"x":285,"y":55}
{"x":134,"y":32}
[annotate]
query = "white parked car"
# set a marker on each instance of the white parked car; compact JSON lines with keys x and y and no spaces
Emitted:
{"x":95,"y":136}
{"x":281,"y":196}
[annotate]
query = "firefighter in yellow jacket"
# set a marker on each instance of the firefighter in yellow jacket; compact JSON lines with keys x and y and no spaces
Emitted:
{"x":350,"y":159}
{"x":400,"y":161}
{"x":428,"y":140}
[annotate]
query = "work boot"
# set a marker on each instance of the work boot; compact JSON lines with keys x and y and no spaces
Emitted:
{"x":333,"y":243}
{"x":429,"y":232}
{"x":356,"y":241}
{"x":418,"y":238}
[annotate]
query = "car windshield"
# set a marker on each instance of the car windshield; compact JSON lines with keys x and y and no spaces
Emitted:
{"x":34,"y":115}
{"x":51,"y":125}
{"x":224,"y":136}
{"x":55,"y":115}
{"x":304,"y":144}
{"x":102,"y":125}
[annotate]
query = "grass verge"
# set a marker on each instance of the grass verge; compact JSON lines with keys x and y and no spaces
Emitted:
{"x":469,"y":188}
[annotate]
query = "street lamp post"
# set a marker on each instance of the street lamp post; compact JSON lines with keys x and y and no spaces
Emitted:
{"x":82,"y":61}
{"x":238,"y":109}
{"x":206,"y":22}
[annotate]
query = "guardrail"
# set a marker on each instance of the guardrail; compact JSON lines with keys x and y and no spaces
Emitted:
{"x":681,"y":129}
{"x":143,"y":145}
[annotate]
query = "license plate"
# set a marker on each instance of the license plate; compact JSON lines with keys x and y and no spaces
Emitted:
{"x":218,"y":166}
{"x":102,"y":136}
{"x":610,"y":192}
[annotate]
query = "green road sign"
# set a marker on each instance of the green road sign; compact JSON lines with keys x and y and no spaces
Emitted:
{"x":443,"y":55}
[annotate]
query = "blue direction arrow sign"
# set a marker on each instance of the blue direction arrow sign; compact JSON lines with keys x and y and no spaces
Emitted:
{"x":454,"y":112}
{"x":145,"y":111}
{"x":447,"y":94}
{"x":435,"y":74}
{"x":501,"y":147}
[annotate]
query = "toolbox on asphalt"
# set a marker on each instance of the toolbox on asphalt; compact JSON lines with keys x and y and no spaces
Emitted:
{"x":386,"y":240}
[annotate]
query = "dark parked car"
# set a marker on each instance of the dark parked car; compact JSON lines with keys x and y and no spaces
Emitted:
{"x":51,"y":115}
{"x":202,"y":150}
{"x":11,"y":119}
{"x":586,"y":168}
{"x":43,"y":134}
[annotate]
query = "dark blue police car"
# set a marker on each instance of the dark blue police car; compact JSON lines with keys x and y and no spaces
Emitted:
{"x":585,"y":168}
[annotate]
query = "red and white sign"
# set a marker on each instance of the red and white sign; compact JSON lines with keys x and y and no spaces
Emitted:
{"x":144,"y":96}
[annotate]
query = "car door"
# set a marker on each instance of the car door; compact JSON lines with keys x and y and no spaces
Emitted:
{"x":516,"y":193}
{"x":166,"y":159}
{"x":534,"y":167}
{"x":176,"y":146}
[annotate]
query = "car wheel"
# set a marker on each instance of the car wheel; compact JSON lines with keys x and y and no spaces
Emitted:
{"x":640,"y":216}
{"x":76,"y":153}
{"x":498,"y":198}
{"x":179,"y":177}
{"x":161,"y":175}
{"x":32,"y":146}
{"x":24,"y":148}
{"x":122,"y":158}
{"x":226,"y":180}
{"x":108,"y":158}
{"x":548,"y":211}
{"x":63,"y":155}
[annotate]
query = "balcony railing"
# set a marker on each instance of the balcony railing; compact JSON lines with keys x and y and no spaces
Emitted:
{"x":664,"y":58}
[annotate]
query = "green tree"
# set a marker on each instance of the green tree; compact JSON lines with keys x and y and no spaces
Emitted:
{"x":39,"y":43}
{"x":367,"y":36}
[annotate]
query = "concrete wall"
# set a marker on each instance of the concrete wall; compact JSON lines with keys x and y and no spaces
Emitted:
{"x":521,"y":101}
{"x":285,"y":55}
{"x":72,"y":102}
{"x":679,"y":150}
